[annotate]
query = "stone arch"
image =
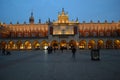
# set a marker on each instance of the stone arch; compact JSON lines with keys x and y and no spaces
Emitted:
{"x":19,"y":44}
{"x":27,"y":45}
{"x":117,"y":44}
{"x":36,"y":44}
{"x":91,"y":44}
{"x":63,"y":44}
{"x":55,"y":44}
{"x":100,"y":44}
{"x":109,"y":44}
{"x":72,"y":43}
{"x":44,"y":44}
{"x":82,"y":44}
{"x":11,"y":45}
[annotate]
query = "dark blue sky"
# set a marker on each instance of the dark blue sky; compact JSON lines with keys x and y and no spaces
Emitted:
{"x":85,"y":10}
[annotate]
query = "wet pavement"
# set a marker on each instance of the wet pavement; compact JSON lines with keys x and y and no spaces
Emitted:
{"x":38,"y":65}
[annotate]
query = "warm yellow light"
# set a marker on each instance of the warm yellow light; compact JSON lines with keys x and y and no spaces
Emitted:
{"x":37,"y":45}
{"x":29,"y":46}
{"x":89,"y":47}
{"x":63,"y":45}
{"x":14,"y":46}
{"x":81,"y":47}
{"x":45,"y":47}
{"x":117,"y":41}
{"x":22,"y":47}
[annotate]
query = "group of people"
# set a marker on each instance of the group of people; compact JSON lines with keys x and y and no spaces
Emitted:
{"x":5,"y":52}
{"x":50,"y":49}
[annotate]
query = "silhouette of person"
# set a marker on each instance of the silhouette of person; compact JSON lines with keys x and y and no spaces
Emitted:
{"x":3,"y":51}
{"x":73,"y":51}
{"x":48,"y":49}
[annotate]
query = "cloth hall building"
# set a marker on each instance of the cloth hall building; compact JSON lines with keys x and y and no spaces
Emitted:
{"x":60,"y":33}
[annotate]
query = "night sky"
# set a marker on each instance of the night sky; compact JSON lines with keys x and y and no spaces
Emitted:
{"x":85,"y":10}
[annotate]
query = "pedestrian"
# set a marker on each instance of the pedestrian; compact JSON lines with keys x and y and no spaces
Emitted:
{"x":73,"y":52}
{"x":48,"y":49}
{"x":3,"y":51}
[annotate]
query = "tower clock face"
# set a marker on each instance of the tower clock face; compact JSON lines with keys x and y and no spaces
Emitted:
{"x":63,"y":30}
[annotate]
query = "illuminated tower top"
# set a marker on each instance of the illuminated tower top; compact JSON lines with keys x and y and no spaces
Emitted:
{"x":63,"y":17}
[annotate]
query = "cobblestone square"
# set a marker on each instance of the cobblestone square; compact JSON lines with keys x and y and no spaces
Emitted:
{"x":38,"y":65}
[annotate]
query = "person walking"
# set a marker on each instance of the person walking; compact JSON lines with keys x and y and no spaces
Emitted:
{"x":48,"y":50}
{"x":73,"y":51}
{"x":3,"y":51}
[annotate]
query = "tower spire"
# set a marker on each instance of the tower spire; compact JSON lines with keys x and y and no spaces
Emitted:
{"x":63,"y":12}
{"x":62,"y":9}
{"x":77,"y":19}
{"x":31,"y":19}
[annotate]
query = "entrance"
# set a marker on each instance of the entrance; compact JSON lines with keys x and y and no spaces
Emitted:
{"x":91,"y":44}
{"x":100,"y":44}
{"x":82,"y":44}
{"x":28,"y":45}
{"x":72,"y":43}
{"x":44,"y":45}
{"x":36,"y":45}
{"x":63,"y":44}
{"x":55,"y":44}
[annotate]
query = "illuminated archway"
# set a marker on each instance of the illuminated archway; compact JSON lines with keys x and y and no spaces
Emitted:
{"x":63,"y":44}
{"x":82,"y":44}
{"x":100,"y":44}
{"x":44,"y":44}
{"x":109,"y":44}
{"x":36,"y":45}
{"x":91,"y":44}
{"x":72,"y":43}
{"x":55,"y":44}
{"x":19,"y":45}
{"x":117,"y":44}
{"x":27,"y":45}
{"x":11,"y":45}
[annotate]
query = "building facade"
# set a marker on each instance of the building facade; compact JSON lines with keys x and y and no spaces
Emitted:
{"x":60,"y":33}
